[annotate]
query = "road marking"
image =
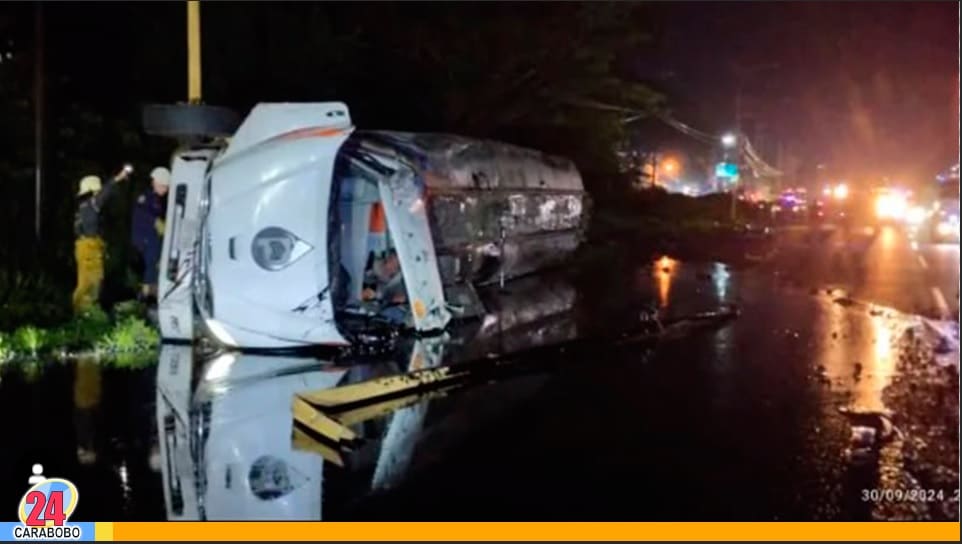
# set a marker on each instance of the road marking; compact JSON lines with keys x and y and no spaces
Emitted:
{"x":922,"y":262}
{"x":940,"y":302}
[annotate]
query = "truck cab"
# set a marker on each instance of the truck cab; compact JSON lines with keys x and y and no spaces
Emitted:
{"x":275,"y":231}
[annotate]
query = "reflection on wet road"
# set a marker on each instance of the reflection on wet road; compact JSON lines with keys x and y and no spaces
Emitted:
{"x":883,"y":264}
{"x":540,"y":411}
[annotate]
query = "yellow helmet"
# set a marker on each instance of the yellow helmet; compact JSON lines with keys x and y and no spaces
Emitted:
{"x":89,"y":184}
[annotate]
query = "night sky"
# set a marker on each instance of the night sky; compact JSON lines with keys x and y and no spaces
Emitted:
{"x":868,"y":88}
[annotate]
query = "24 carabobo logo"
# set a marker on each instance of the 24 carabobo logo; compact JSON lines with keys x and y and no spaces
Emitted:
{"x":44,"y":511}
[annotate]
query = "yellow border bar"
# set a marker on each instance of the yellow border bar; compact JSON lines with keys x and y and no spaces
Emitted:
{"x":103,"y":530}
{"x":534,"y":531}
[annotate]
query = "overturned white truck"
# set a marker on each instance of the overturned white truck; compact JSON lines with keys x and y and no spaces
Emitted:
{"x":271,"y":231}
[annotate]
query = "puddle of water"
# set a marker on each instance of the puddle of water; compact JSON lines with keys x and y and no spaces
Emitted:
{"x":733,"y":408}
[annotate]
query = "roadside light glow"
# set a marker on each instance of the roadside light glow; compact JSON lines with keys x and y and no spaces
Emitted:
{"x":728,"y":139}
{"x":840,"y":192}
{"x":665,"y":267}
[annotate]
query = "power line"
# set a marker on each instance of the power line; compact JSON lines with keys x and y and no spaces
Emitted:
{"x":759,"y":166}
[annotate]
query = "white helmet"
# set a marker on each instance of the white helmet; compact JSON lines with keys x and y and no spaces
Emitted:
{"x":89,"y":184}
{"x":160,"y":175}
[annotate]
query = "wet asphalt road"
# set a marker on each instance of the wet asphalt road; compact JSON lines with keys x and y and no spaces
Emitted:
{"x":885,"y":265}
{"x":741,"y":421}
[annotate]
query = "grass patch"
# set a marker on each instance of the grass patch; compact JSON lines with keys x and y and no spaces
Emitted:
{"x":93,"y":331}
{"x":130,"y":334}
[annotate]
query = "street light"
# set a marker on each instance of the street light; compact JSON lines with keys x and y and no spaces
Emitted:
{"x":669,"y":166}
{"x":728,"y":140}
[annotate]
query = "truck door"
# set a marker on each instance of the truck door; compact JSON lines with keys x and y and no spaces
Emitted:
{"x":405,"y":208}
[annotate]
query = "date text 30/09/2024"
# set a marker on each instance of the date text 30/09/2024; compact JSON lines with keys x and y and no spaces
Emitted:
{"x":912,"y":495}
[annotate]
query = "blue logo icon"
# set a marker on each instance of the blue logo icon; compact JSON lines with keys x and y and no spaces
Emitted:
{"x":45,"y":510}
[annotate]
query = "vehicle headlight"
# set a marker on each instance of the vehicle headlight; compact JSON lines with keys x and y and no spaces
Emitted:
{"x":890,"y":206}
{"x":220,"y":333}
{"x":948,"y":227}
{"x":274,"y":248}
{"x":840,"y":191}
{"x":915,"y":215}
{"x":219,"y":368}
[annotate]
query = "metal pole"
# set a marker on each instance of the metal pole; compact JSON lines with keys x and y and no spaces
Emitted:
{"x":38,"y":102}
{"x":734,"y":212}
{"x":738,"y":143}
{"x":654,"y":169}
{"x":503,"y":234}
{"x":193,"y":52}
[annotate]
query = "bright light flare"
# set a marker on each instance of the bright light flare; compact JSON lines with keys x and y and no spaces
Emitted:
{"x":891,"y":206}
{"x":669,"y":166}
{"x":948,"y":229}
{"x":915,"y":215}
{"x":840,"y":191}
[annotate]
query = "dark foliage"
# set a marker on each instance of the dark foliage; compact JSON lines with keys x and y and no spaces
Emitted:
{"x":539,"y":75}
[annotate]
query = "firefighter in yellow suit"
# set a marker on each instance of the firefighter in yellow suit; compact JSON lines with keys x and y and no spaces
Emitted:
{"x":89,"y":247}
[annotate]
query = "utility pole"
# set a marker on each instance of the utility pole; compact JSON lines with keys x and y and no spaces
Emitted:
{"x":654,"y":169}
{"x":193,"y":52}
{"x":38,"y":118}
{"x":733,"y":211}
{"x":780,"y":164}
{"x":740,"y":72}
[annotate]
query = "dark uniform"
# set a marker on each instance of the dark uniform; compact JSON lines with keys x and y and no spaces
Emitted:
{"x":147,"y":226}
{"x":89,"y":248}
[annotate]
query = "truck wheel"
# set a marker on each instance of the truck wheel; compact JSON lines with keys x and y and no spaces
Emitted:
{"x":189,"y":120}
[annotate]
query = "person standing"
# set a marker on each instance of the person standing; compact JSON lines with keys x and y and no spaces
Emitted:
{"x":89,"y":245}
{"x":147,"y":229}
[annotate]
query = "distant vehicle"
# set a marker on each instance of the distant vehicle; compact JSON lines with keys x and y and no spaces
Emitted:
{"x":833,"y":205}
{"x":944,"y":226}
{"x":791,"y":206}
{"x":271,"y":231}
{"x":891,"y":204}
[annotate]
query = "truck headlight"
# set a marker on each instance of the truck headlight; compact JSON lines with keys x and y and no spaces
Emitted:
{"x":274,"y":248}
{"x":948,"y":228}
{"x":915,"y":215}
{"x":890,"y":206}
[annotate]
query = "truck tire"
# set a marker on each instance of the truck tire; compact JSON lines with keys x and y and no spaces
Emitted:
{"x":189,"y":120}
